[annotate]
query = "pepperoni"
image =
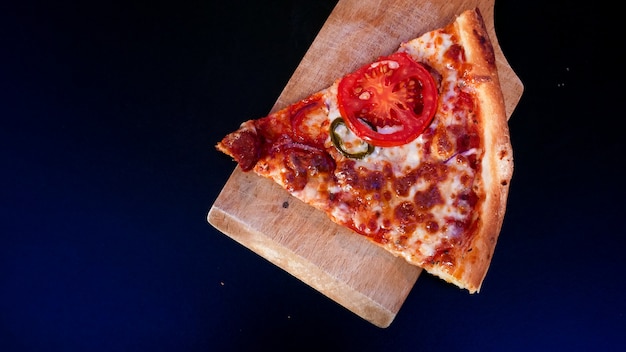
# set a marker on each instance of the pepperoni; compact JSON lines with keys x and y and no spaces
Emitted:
{"x":302,"y":162}
{"x":244,"y":147}
{"x":431,"y":172}
{"x":428,"y":198}
{"x":373,"y":181}
{"x":402,"y":185}
{"x":347,"y":173}
{"x":406,"y":216}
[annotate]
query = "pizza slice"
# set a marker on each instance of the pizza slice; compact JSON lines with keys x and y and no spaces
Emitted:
{"x":411,"y":150}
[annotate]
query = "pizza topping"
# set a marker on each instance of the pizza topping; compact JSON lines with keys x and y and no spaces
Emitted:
{"x":301,"y":163}
{"x":345,"y":142}
{"x":428,"y":198}
{"x":395,"y":94}
{"x":243,"y":146}
{"x":369,"y":152}
{"x":307,"y":118}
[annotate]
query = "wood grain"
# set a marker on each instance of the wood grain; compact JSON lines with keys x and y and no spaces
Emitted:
{"x":263,"y":217}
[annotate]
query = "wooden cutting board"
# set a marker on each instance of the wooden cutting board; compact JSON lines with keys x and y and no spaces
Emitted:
{"x":299,"y":239}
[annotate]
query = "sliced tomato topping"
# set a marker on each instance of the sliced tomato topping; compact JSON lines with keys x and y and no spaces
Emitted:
{"x":395,"y":94}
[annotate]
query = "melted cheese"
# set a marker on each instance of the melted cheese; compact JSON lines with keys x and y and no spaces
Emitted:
{"x":376,"y":209}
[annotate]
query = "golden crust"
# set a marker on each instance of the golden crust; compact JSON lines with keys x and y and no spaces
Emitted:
{"x":497,"y":163}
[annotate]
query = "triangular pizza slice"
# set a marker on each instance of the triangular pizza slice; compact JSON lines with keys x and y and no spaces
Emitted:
{"x":411,"y":150}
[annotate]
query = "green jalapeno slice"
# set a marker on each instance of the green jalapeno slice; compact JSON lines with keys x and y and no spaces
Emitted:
{"x":340,"y":145}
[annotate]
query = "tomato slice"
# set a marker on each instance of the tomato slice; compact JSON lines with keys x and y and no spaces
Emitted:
{"x":396,"y":94}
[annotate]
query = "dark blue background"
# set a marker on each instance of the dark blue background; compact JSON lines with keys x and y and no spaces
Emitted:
{"x":110,"y":111}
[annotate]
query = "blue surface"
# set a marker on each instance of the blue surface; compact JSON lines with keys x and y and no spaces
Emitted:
{"x":110,"y":112}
